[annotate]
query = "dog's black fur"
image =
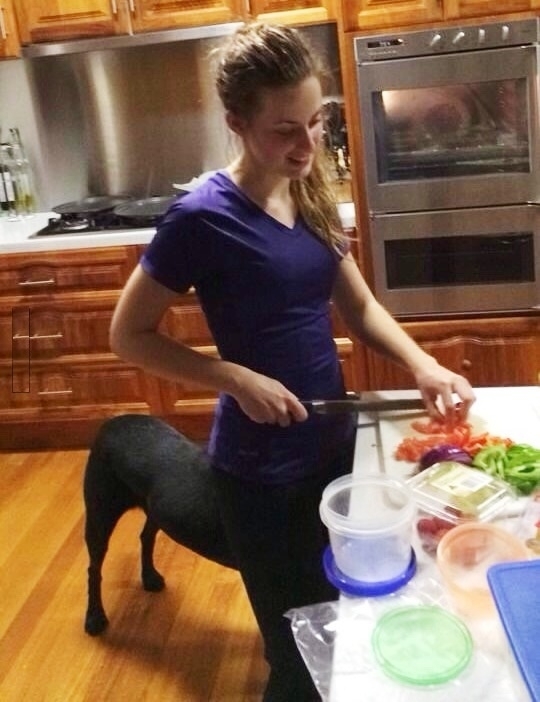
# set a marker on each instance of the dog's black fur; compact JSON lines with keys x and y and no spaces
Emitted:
{"x":140,"y":461}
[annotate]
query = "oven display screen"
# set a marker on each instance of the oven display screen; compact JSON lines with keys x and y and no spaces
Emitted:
{"x":384,"y":43}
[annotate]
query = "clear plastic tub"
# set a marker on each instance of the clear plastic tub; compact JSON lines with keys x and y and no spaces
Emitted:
{"x":369,"y":521}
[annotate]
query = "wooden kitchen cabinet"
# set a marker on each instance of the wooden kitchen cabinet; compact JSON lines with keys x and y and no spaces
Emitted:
{"x":293,"y":11}
{"x":489,"y":352}
{"x":148,"y":15}
{"x":58,"y":378}
{"x":359,"y":15}
{"x":9,"y":33}
{"x":52,"y":20}
{"x":368,"y":14}
{"x":456,"y":9}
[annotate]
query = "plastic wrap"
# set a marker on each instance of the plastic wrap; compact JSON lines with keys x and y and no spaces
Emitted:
{"x":334,"y":639}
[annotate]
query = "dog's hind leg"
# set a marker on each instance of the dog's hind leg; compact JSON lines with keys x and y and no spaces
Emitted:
{"x":97,"y":535}
{"x":106,"y":500}
{"x":152,"y":580}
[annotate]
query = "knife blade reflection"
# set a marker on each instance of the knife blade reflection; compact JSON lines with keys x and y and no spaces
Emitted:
{"x":358,"y":405}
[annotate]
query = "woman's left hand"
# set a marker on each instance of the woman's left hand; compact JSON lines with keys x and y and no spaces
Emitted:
{"x":439,"y":388}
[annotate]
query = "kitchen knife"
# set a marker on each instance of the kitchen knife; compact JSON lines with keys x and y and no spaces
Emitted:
{"x":358,"y":405}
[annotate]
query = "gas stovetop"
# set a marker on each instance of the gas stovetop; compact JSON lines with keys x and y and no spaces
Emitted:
{"x":62,"y":225}
{"x":104,"y":213}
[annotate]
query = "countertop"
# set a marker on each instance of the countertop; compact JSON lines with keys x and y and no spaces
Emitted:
{"x":512,"y":412}
{"x":17,"y":236}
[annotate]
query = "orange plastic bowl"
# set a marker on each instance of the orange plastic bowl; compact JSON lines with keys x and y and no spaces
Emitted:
{"x":464,"y":555}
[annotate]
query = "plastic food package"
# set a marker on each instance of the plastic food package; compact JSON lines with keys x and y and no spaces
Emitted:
{"x":456,"y":493}
{"x":336,"y":643}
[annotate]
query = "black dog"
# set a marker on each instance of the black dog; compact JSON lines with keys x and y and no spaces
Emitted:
{"x":140,"y":461}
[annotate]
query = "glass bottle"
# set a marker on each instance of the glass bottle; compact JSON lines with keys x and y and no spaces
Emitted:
{"x":22,"y":174}
{"x":7,"y":189}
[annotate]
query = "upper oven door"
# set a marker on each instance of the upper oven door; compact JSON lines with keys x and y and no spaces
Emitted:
{"x":453,"y":130}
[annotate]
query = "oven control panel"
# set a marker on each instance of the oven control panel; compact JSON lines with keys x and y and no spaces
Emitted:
{"x":381,"y":47}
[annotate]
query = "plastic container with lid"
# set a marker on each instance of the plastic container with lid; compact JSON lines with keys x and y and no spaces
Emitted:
{"x":464,"y":556}
{"x":369,"y":520}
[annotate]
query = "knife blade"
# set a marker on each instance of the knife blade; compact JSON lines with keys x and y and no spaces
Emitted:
{"x":358,"y":405}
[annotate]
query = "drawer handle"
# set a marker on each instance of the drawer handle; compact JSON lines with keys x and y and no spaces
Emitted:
{"x":132,"y":6}
{"x":3,"y":32}
{"x":114,"y":7}
{"x":59,"y":335}
{"x":55,"y":392}
{"x":45,"y":281}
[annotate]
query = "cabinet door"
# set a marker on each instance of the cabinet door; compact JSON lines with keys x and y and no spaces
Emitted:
{"x":489,"y":352}
{"x":163,"y":14}
{"x":455,"y":9}
{"x":293,"y":11}
{"x":367,"y":14}
{"x":53,"y":20}
{"x":9,"y":36}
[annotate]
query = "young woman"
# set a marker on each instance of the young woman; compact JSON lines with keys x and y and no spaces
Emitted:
{"x":261,"y":243}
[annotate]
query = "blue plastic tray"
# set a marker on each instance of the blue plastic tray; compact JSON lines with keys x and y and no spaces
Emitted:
{"x":516,"y":590}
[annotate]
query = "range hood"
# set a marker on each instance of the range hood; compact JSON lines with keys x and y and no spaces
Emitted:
{"x":121,"y":41}
{"x":130,"y":115}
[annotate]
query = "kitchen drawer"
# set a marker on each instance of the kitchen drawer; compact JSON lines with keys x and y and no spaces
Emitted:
{"x":489,"y":352}
{"x":44,"y":274}
{"x":78,"y":325}
{"x":95,"y":389}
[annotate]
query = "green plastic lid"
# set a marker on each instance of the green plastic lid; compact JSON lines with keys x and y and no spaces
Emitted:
{"x":421,"y":645}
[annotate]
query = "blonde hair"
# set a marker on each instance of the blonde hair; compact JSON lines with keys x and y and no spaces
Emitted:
{"x":260,"y":56}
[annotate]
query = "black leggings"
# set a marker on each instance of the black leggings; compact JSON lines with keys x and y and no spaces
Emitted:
{"x":278,"y":538}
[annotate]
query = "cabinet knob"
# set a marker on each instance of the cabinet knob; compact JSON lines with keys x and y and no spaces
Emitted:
{"x":466,"y":364}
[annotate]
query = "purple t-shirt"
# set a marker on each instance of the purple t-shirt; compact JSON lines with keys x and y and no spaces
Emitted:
{"x":265,"y":291}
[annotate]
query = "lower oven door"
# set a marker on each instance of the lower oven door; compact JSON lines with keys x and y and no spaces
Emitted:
{"x":458,"y":261}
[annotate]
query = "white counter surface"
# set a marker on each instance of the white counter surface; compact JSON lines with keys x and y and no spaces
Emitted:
{"x":18,"y":236}
{"x":512,"y":412}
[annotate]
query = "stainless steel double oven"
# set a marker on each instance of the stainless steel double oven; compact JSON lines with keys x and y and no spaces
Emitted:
{"x":451,"y":137}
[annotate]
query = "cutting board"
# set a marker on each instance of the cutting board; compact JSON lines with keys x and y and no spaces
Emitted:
{"x":506,"y":412}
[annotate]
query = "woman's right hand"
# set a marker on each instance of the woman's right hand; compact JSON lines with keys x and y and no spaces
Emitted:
{"x":265,"y":400}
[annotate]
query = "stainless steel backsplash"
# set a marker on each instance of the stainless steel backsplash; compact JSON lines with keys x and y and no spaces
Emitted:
{"x":135,"y":120}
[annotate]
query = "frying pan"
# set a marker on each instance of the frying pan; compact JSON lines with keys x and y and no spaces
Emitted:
{"x":145,"y":210}
{"x":89,"y":205}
